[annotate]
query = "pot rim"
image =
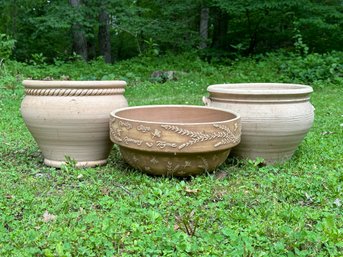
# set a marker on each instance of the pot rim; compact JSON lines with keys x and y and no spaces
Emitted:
{"x":248,"y":88}
{"x":237,"y":117}
{"x":73,"y":84}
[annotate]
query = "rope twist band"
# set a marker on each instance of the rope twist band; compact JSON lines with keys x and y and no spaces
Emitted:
{"x":73,"y":92}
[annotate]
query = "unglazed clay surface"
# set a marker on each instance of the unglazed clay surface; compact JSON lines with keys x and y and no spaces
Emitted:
{"x":174,"y":140}
{"x":275,"y":117}
{"x":70,"y":118}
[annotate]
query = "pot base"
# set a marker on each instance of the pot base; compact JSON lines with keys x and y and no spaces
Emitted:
{"x":268,"y":158}
{"x":87,"y":164}
{"x":174,"y":164}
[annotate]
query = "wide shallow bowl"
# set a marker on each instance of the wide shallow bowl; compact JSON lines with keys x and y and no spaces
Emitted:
{"x":176,"y":140}
{"x":275,"y":117}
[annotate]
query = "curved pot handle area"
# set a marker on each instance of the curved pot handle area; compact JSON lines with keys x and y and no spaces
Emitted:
{"x":206,"y":100}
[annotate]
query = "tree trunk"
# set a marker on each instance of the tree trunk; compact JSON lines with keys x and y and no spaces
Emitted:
{"x":253,"y":32}
{"x":104,"y":36}
{"x":79,"y":37}
{"x":14,"y":19}
{"x":221,"y":25}
{"x":204,"y":17}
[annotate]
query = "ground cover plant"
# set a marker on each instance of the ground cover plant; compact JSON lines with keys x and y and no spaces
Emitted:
{"x":244,"y":208}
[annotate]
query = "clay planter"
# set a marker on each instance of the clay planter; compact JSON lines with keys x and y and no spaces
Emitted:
{"x":275,"y":117}
{"x":70,"y":118}
{"x":176,"y":140}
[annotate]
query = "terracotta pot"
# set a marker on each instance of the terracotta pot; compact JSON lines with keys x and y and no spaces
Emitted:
{"x":275,"y":117}
{"x":177,"y":140}
{"x":70,"y":118}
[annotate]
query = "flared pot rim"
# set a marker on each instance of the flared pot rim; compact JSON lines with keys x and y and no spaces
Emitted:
{"x":114,"y":114}
{"x":73,"y":84}
{"x":260,"y":89}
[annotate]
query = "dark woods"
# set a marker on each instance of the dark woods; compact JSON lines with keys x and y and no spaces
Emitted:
{"x":120,"y":29}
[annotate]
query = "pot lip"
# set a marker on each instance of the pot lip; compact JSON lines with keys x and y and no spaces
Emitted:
{"x":248,"y":89}
{"x":71,"y":84}
{"x":114,"y":113}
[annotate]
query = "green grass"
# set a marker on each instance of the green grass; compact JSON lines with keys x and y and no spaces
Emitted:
{"x":242,"y":209}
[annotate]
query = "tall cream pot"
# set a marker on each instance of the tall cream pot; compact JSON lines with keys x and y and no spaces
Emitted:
{"x":71,"y":118}
{"x":275,"y":117}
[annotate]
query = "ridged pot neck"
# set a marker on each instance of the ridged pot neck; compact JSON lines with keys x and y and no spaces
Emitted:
{"x":73,"y":88}
{"x":260,"y":92}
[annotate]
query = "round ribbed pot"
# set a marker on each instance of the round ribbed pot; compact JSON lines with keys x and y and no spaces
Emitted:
{"x":174,"y":140}
{"x":275,"y":117}
{"x":70,"y":118}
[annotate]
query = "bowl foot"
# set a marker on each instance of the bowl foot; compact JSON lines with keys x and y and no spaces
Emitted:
{"x":177,"y":164}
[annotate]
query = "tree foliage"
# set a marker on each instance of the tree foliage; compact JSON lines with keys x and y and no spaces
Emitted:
{"x":6,"y":46}
{"x":235,"y":27}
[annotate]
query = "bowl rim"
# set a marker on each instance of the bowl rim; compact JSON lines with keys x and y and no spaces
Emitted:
{"x":73,"y":84}
{"x":237,"y":117}
{"x":247,"y":88}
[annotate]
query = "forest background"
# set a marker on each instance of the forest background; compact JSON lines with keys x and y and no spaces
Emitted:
{"x":217,"y":30}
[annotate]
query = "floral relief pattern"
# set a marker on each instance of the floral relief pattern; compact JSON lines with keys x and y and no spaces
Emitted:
{"x":226,"y":135}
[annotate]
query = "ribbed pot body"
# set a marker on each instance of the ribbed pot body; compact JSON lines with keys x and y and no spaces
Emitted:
{"x":70,"y":118}
{"x":275,"y":117}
